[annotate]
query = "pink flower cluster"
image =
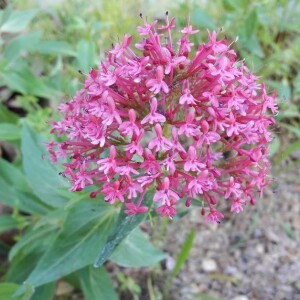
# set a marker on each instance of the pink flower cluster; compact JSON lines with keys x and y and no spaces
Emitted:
{"x":190,"y":127}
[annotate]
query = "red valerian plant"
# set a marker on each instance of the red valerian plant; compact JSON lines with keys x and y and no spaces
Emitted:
{"x":159,"y":118}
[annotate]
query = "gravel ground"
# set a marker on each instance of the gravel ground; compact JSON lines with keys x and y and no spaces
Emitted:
{"x":252,"y":255}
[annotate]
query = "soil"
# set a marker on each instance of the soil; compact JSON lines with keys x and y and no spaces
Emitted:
{"x":253,"y":255}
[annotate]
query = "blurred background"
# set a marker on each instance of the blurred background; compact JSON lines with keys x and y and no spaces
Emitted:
{"x":253,"y":255}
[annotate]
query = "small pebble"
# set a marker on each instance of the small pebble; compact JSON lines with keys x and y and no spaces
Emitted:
{"x":170,"y":263}
{"x":240,"y":297}
{"x":272,"y":236}
{"x":63,"y":288}
{"x":260,"y":249}
{"x":209,"y":265}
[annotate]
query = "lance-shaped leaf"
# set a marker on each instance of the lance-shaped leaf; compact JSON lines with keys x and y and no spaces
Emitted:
{"x":137,"y":251}
{"x":96,"y":284}
{"x":15,"y":191}
{"x":124,"y":225}
{"x":41,"y":174}
{"x":85,"y":230}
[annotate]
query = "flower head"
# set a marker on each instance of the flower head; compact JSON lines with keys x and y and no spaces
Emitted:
{"x":159,"y":118}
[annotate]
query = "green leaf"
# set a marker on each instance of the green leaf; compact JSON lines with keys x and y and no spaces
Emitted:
{"x":9,"y":132}
{"x":232,"y":5}
{"x":6,"y":116}
{"x":96,"y":284}
{"x":184,"y":253}
{"x":202,"y":19}
{"x":44,"y":292}
{"x":55,"y":48}
{"x":25,"y":82}
{"x":18,"y":21}
{"x":41,"y":174}
{"x":7,"y":223}
{"x":86,"y":55}
{"x":289,"y":150}
{"x":7,"y":290}
{"x":289,"y":231}
{"x":124,"y":225}
{"x":34,"y":240}
{"x":251,"y":23}
{"x":21,"y":200}
{"x":283,"y":88}
{"x":229,"y":5}
{"x":21,"y":44}
{"x":85,"y":229}
{"x":252,"y":44}
{"x":15,"y":192}
{"x":136,"y":251}
{"x":21,"y":266}
{"x":13,"y":176}
{"x":293,"y":128}
{"x":296,"y":86}
{"x":204,"y":296}
{"x":274,"y":146}
{"x":26,"y":253}
{"x":15,"y":82}
{"x":181,"y":258}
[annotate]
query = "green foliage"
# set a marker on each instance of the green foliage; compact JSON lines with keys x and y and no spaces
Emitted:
{"x":184,"y":253}
{"x":40,"y":173}
{"x":9,"y":132}
{"x":59,"y":234}
{"x":180,"y":260}
{"x":124,"y":225}
{"x":63,"y":237}
{"x":13,"y":21}
{"x":7,"y":222}
{"x":15,"y":191}
{"x":7,"y":290}
{"x":127,"y":283}
{"x":136,"y":251}
{"x":96,"y":284}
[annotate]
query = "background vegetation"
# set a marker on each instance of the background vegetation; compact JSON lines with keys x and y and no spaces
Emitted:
{"x":49,"y":234}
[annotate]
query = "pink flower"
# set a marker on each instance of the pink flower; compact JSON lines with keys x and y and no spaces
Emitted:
{"x":112,"y":192}
{"x":126,"y":170}
{"x":146,"y":29}
{"x":176,"y":144}
{"x":161,"y":119}
{"x":187,"y":97}
{"x":189,"y":30}
{"x":167,"y":211}
{"x":133,"y":189}
{"x":120,"y":49}
{"x":108,"y":164}
{"x":234,"y":127}
{"x":207,"y":137}
{"x":135,"y":146}
{"x":233,"y":188}
{"x":169,"y":163}
{"x":148,"y":179}
{"x":237,"y":206}
{"x":189,"y":128}
{"x":81,"y":179}
{"x":202,"y":183}
{"x":160,"y":143}
{"x":153,"y":116}
{"x":165,"y":195}
{"x":132,"y":209}
{"x":157,"y":84}
{"x":192,"y":162}
{"x":214,"y":216}
{"x":130,"y":127}
{"x":111,"y":114}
